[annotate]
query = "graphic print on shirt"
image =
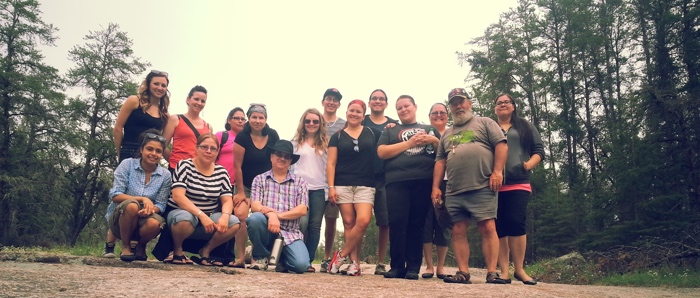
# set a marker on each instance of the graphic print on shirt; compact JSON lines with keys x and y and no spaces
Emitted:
{"x":462,"y":137}
{"x":406,"y":134}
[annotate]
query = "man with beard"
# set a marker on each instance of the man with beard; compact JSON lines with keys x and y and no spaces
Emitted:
{"x":473,"y":152}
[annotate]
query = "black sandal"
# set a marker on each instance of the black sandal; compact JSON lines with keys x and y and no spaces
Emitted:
{"x":179,"y":260}
{"x":460,"y":277}
{"x":201,"y":261}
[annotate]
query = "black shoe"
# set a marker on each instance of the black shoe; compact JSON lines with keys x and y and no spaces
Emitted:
{"x":413,"y":275}
{"x":395,"y":273}
{"x":531,"y":282}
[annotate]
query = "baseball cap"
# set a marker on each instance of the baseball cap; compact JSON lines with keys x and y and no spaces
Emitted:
{"x":334,"y":92}
{"x":458,"y":92}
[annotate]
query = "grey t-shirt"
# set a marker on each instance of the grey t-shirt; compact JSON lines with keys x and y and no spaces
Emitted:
{"x":469,"y":150}
{"x":336,"y":126}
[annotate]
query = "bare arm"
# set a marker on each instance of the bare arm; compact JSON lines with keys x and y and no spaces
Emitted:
{"x":499,"y":162}
{"x":391,"y":151}
{"x":294,"y":213}
{"x":168,"y":134}
{"x":130,"y":104}
{"x":238,"y":153}
{"x":438,"y":175}
{"x":330,"y":172}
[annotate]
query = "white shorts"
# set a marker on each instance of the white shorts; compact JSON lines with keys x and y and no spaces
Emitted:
{"x":354,"y":194}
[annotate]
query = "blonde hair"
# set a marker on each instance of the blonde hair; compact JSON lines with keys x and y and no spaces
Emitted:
{"x":321,"y":138}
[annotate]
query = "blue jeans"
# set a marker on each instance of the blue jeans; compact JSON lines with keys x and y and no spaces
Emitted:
{"x":294,"y":256}
{"x":310,"y":223}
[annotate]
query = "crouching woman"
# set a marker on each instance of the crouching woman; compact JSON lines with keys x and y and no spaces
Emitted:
{"x":203,"y":202}
{"x":139,"y":194}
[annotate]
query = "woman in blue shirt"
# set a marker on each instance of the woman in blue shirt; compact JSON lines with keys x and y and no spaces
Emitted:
{"x":140,"y":192}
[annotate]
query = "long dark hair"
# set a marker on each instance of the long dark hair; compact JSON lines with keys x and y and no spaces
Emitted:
{"x":521,"y":125}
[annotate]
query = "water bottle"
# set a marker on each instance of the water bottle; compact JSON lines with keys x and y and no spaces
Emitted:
{"x":276,"y":250}
{"x":430,"y":148}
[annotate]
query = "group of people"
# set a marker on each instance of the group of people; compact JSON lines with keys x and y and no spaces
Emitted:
{"x":420,"y":181}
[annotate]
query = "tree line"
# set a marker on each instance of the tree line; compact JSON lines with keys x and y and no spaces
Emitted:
{"x":614,"y":88}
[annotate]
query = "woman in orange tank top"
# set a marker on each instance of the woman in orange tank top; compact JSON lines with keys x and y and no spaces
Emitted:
{"x":183,"y":130}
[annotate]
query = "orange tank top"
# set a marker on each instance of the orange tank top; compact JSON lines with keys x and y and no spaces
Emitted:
{"x":184,"y":142}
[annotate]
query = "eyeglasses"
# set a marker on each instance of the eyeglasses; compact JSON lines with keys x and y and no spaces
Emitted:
{"x":503,"y":102}
{"x":153,"y":136}
{"x":159,"y":73}
{"x":332,"y":98}
{"x":309,"y":121}
{"x":208,"y":148}
{"x":374,"y":98}
{"x":438,"y":113}
{"x":356,"y":148}
{"x":282,"y":155}
{"x":238,"y":118}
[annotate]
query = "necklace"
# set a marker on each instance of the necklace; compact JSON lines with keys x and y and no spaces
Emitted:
{"x":329,"y":124}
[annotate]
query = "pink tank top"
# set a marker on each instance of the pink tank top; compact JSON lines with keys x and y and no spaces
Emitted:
{"x":184,"y":142}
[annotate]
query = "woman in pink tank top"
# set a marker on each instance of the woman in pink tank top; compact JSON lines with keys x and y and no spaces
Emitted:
{"x":183,"y":130}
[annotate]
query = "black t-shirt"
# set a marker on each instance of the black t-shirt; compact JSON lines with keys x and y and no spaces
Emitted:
{"x":378,"y":162}
{"x":355,"y":168}
{"x":412,"y":164}
{"x":255,"y":161}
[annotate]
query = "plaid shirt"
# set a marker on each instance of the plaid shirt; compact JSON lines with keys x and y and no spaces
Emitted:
{"x":282,"y":196}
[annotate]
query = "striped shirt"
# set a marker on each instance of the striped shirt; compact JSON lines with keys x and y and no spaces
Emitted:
{"x":282,"y":196}
{"x":204,"y":191}
{"x":130,"y":179}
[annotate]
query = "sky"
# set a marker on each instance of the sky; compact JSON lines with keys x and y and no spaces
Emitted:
{"x":286,"y":53}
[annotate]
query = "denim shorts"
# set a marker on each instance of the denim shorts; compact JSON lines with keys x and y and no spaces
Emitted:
{"x":179,"y":215}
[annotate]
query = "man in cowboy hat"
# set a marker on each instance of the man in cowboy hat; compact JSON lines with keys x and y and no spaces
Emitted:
{"x":279,"y":199}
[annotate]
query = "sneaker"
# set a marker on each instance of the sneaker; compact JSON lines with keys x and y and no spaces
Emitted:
{"x":345,"y":271}
{"x":494,"y":278}
{"x":336,"y":262}
{"x":354,"y":269}
{"x":324,"y":265}
{"x":260,"y":264}
{"x":380,"y":269}
{"x":395,"y":273}
{"x":109,"y":251}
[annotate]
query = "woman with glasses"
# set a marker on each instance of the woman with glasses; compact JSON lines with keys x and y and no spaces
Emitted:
{"x":408,"y":151}
{"x":311,"y":144}
{"x":525,"y":152}
{"x":202,"y":203}
{"x":185,"y":129}
{"x":234,"y":124}
{"x":350,"y":173}
{"x":145,"y":110}
{"x":139,"y":194}
{"x":435,"y":231}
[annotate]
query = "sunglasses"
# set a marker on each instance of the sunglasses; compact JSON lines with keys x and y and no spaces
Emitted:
{"x":356,"y":148}
{"x":239,"y":118}
{"x":159,"y":73}
{"x":309,"y":121}
{"x":153,"y":136}
{"x":283,"y":155}
{"x":503,"y":102}
{"x":440,"y":113}
{"x":208,"y":148}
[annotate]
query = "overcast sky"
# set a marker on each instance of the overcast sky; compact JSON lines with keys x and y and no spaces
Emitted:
{"x":286,"y":53}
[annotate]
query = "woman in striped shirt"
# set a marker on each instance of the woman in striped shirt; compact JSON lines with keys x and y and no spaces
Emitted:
{"x":202,"y":199}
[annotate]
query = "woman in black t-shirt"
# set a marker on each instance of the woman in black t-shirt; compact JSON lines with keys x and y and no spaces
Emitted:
{"x":250,"y":158}
{"x":408,"y":151}
{"x":350,"y":174}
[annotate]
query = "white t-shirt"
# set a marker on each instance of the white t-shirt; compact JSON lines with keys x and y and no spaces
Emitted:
{"x":311,"y":166}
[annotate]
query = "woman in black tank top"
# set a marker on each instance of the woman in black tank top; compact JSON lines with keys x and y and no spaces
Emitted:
{"x":145,"y":110}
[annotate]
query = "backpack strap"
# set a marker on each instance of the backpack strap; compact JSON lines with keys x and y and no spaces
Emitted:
{"x":187,"y":121}
{"x":224,"y":139}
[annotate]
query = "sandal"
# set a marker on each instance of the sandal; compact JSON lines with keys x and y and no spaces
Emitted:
{"x":235,"y":265}
{"x":204,"y":261}
{"x":179,"y":260}
{"x":311,"y":269}
{"x":495,"y":278}
{"x":460,"y":277}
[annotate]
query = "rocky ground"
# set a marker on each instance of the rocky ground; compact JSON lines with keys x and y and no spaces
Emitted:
{"x":46,"y":275}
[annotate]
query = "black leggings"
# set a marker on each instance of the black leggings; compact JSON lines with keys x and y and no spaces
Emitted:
{"x":408,"y":203}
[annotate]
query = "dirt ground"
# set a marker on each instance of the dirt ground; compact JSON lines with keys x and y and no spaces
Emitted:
{"x":42,"y":275}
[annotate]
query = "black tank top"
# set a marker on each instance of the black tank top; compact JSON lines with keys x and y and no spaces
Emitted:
{"x":137,"y":123}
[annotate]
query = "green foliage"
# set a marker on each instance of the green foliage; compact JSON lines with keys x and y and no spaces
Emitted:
{"x":661,"y":277}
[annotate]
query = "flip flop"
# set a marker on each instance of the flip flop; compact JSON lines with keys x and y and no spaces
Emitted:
{"x":202,"y":260}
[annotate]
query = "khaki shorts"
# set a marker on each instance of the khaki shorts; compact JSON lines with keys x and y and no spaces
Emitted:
{"x":354,"y":194}
{"x":114,"y":220}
